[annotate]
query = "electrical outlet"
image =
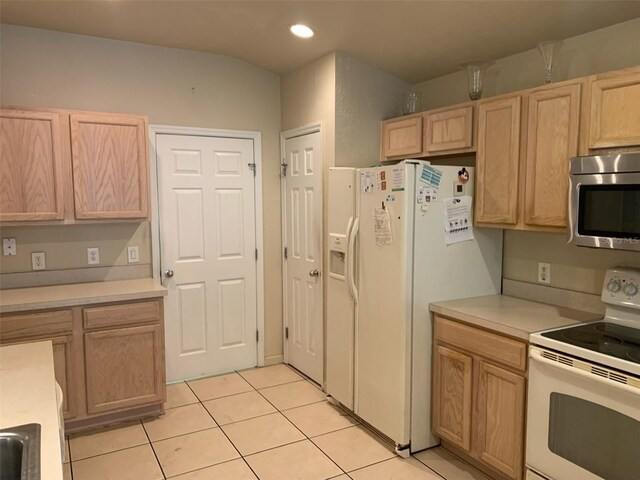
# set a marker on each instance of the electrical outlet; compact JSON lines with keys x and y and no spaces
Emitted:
{"x":38,"y":261}
{"x":133,"y":254}
{"x":544,"y":272}
{"x":8,"y":246}
{"x":93,"y":256}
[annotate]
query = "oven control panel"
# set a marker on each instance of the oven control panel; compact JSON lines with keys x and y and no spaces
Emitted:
{"x":622,"y":287}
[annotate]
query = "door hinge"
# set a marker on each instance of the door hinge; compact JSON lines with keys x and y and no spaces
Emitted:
{"x":286,"y":253}
{"x":284,"y":166}
{"x":286,"y":332}
{"x":252,"y":166}
{"x":256,"y":254}
{"x":257,"y":336}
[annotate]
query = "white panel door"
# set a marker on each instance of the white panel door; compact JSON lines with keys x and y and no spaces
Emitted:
{"x":303,"y":237}
{"x":207,"y":239}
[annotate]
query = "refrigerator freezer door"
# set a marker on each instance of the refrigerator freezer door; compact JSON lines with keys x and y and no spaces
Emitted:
{"x":340,"y":304}
{"x":383,"y":323}
{"x":444,"y":272}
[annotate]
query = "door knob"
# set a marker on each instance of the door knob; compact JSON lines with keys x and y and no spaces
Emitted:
{"x":168,"y":273}
{"x":314,"y":273}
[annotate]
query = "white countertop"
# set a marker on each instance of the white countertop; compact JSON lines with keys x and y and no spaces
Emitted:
{"x":28,"y":395}
{"x":54,"y":296}
{"x":510,"y":315}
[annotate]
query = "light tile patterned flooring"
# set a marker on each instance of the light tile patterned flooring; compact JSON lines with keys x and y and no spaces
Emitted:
{"x":268,"y":423}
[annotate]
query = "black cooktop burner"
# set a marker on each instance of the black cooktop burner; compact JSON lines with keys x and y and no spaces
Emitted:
{"x":607,"y":338}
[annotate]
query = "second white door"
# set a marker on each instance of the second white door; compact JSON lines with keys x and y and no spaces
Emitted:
{"x":208,"y":253}
{"x":303,"y":241}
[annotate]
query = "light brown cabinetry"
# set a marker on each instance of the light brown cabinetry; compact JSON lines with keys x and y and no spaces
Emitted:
{"x":552,"y":139}
{"x":402,"y":136}
{"x":108,"y":359}
{"x":438,"y":132}
{"x":448,"y":130}
{"x":522,"y":164}
{"x":61,"y":166}
{"x":614,"y":119}
{"x":124,"y":368}
{"x":479,"y":389}
{"x":32,"y":177}
{"x":110,"y":166}
{"x":497,"y":161}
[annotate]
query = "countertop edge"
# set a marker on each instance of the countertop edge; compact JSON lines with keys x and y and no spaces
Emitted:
{"x":481,"y":322}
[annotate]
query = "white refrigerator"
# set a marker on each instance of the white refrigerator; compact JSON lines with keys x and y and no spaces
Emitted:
{"x":400,"y":238}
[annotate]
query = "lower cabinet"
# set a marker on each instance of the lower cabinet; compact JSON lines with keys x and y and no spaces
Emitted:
{"x":479,"y":400}
{"x":124,"y":368}
{"x":108,"y":358}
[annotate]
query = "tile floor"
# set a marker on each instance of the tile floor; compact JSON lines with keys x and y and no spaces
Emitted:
{"x":267,"y":423}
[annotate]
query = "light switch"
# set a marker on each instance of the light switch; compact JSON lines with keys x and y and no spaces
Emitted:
{"x":8,"y":246}
{"x":133,"y":254}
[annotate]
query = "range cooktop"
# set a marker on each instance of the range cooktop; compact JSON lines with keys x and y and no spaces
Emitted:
{"x":607,"y":338}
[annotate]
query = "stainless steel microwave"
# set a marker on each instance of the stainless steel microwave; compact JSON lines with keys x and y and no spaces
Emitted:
{"x":604,"y":201}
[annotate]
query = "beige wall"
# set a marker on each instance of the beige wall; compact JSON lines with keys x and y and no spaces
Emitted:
{"x":171,"y":86}
{"x":364,"y":97}
{"x":610,"y":48}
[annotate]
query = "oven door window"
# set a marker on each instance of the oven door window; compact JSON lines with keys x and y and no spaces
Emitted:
{"x":594,"y":437}
{"x":609,"y":211}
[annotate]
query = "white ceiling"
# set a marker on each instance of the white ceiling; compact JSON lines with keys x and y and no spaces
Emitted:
{"x":414,"y":40}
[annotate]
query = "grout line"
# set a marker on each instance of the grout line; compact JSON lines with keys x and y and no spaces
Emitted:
{"x":304,"y":434}
{"x":229,"y":439}
{"x":154,"y":451}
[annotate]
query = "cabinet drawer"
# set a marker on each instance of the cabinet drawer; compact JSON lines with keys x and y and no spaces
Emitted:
{"x":489,"y":345}
{"x":40,"y":324}
{"x":122,"y":314}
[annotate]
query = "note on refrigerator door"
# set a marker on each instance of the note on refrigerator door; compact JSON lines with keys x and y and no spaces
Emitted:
{"x":431,"y":176}
{"x":397,"y":180}
{"x":458,"y":225}
{"x":382,"y":226}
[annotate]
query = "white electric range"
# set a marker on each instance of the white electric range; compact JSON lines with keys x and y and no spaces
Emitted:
{"x":583,"y":418}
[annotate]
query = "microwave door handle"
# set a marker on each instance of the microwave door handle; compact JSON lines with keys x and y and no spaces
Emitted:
{"x":536,"y":356}
{"x":347,"y":256}
{"x":351,"y":245}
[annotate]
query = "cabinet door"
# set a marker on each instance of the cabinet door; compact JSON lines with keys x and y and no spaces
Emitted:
{"x":402,"y":136}
{"x":110,"y":166}
{"x":124,"y":368}
{"x":615,"y":112}
{"x":497,"y":161}
{"x":499,"y":419}
{"x":452,"y":396}
{"x":552,"y":139}
{"x":450,"y":129}
{"x":31,"y":166}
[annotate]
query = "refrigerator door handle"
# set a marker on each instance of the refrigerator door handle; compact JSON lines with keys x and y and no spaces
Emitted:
{"x":347,"y":254}
{"x":350,"y":260}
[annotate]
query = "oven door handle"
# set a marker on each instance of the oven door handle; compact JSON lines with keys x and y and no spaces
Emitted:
{"x":536,"y":355}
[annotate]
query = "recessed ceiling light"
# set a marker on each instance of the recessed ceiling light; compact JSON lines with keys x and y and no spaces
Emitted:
{"x":301,"y":31}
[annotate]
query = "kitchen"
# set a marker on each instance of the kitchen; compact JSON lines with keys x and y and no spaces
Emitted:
{"x":195,"y":90}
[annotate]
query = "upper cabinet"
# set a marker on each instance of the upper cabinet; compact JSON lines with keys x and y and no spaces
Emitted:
{"x":615,"y":110}
{"x":522,"y":166}
{"x":110,"y":166}
{"x":32,"y":180}
{"x":497,"y":161}
{"x":59,"y":166}
{"x":442,"y":131}
{"x":552,"y":139}
{"x":448,"y":129}
{"x":402,"y":136}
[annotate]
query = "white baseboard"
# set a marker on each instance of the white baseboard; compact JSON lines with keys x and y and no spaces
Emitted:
{"x":273,"y":359}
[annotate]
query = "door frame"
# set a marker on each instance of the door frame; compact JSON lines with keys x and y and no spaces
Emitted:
{"x":256,"y":137}
{"x":315,"y":127}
